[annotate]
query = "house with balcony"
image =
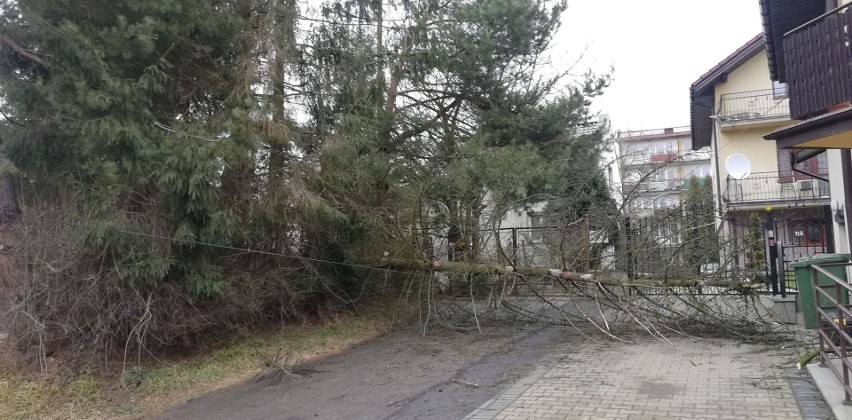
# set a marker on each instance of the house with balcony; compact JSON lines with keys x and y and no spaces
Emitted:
{"x":657,"y":167}
{"x":809,"y":49}
{"x":733,"y":106}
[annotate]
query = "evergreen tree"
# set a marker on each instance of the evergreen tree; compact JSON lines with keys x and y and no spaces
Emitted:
{"x":142,"y":111}
{"x":180,"y":128}
{"x":700,"y":242}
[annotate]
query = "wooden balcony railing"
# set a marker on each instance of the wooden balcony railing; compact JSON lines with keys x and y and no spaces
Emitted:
{"x":818,"y":59}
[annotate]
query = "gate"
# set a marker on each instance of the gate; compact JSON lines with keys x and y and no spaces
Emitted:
{"x":801,"y":234}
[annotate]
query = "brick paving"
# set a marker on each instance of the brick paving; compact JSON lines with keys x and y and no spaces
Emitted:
{"x":707,"y":379}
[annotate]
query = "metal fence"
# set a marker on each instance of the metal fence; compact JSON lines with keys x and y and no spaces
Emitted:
{"x":572,"y":247}
{"x":679,"y":243}
{"x":675,"y":242}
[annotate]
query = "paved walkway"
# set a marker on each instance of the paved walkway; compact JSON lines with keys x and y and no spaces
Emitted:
{"x":708,"y":379}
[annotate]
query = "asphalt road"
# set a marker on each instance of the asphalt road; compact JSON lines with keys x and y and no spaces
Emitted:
{"x":400,"y":375}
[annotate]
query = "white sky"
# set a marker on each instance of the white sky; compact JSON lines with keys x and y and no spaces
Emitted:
{"x":658,"y":48}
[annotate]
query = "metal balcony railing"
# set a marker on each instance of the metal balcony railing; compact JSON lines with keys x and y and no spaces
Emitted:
{"x":818,"y":59}
{"x":754,"y":105}
{"x":768,"y":186}
{"x":834,"y":322}
{"x":633,"y":188}
{"x":646,"y":158}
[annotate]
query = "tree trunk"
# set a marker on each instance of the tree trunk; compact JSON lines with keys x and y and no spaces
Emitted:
{"x":472,"y":268}
{"x":10,"y":211}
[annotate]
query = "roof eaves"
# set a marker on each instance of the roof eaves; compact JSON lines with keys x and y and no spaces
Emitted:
{"x":686,"y":133}
{"x":766,"y":18}
{"x":731,"y":62}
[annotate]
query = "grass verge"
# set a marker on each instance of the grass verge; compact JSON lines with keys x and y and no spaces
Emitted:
{"x":170,"y":383}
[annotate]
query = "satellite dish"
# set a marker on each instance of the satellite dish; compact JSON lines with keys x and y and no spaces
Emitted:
{"x":738,"y":166}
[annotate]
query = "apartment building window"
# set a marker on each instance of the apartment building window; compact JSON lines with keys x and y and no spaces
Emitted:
{"x":661,"y":148}
{"x":700,"y":172}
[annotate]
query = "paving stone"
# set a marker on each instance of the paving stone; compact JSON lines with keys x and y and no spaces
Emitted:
{"x":688,"y":379}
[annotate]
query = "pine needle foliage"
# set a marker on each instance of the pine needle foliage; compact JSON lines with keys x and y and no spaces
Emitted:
{"x":208,"y":127}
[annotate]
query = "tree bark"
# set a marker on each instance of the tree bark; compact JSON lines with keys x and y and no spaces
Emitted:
{"x":10,"y":211}
{"x":463,"y":267}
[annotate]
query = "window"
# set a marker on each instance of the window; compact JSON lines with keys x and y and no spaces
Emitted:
{"x":814,"y":233}
{"x":700,"y":172}
{"x":535,"y":226}
{"x":661,"y":175}
{"x":779,"y":90}
{"x":797,"y":235}
{"x":662,"y":148}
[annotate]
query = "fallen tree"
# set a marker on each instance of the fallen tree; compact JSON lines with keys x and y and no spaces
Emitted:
{"x":606,"y":304}
{"x":590,"y":278}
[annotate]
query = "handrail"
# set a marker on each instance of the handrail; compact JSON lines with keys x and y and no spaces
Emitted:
{"x":817,"y":19}
{"x":834,"y":278}
{"x":834,"y":338}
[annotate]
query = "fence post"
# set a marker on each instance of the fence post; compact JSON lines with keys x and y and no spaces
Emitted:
{"x":826,"y":226}
{"x":820,"y":326}
{"x":773,"y":251}
{"x":628,"y":244}
{"x":514,"y":247}
{"x":779,"y":262}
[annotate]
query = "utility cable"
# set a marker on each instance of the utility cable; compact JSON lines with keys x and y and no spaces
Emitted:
{"x":230,"y":248}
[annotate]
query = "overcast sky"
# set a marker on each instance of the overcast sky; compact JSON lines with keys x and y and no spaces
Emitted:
{"x":658,"y":48}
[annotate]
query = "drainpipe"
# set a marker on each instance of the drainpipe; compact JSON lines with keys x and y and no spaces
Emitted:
{"x":714,"y":141}
{"x":846,"y":166}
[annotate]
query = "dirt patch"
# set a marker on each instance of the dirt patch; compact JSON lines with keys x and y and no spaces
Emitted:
{"x":400,"y":375}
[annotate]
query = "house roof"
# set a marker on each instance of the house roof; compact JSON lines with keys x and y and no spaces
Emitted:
{"x":643,"y":135}
{"x":731,"y":62}
{"x":701,"y":92}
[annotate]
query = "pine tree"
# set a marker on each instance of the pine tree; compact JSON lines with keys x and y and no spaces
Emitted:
{"x":142,"y":111}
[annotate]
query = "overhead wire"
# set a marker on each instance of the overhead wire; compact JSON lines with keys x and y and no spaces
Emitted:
{"x":233,"y":248}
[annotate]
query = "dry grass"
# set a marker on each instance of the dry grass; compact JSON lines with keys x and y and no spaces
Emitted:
{"x":170,"y":383}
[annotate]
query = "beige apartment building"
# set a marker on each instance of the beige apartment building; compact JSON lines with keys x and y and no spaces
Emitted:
{"x":733,"y":106}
